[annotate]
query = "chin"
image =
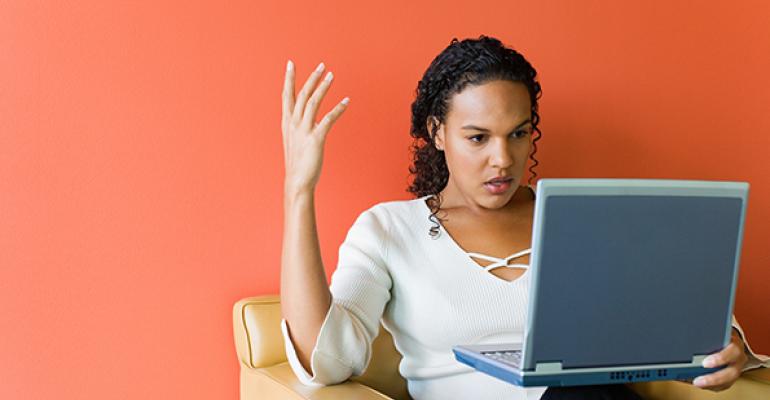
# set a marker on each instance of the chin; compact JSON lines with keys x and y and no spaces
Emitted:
{"x":498,"y":201}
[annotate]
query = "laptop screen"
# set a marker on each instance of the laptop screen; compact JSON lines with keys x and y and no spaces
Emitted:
{"x":632,"y":279}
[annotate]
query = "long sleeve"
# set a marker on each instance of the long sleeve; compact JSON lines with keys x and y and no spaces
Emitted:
{"x":360,"y":288}
{"x":755,"y":360}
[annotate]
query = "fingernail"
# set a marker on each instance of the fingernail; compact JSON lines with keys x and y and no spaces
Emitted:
{"x":708,"y":362}
{"x":289,"y":65}
{"x":699,"y":381}
{"x":320,"y":67}
{"x":329,"y":76}
{"x":346,"y":100}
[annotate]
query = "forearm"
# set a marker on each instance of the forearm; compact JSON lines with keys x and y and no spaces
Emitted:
{"x":305,"y":296}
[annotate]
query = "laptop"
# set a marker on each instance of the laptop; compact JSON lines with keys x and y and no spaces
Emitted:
{"x":630,"y":280}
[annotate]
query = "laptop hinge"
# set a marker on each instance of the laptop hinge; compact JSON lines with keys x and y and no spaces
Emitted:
{"x":548,"y":367}
{"x":698,"y":359}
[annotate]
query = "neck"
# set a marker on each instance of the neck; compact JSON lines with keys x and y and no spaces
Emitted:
{"x":452,"y":198}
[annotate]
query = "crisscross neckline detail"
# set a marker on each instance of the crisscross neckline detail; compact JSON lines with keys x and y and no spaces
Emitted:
{"x":502,"y":262}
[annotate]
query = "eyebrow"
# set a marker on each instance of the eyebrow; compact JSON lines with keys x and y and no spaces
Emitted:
{"x":474,"y":127}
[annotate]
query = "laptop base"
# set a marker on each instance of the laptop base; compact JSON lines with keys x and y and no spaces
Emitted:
{"x":589,"y":376}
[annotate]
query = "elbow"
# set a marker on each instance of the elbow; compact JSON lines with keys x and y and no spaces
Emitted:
{"x":324,"y":372}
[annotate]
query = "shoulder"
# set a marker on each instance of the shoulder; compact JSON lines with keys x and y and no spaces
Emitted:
{"x":382,"y":227}
{"x":393,"y":214}
{"x":398,"y":210}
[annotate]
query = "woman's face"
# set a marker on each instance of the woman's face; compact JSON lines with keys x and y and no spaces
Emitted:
{"x":486,"y":136}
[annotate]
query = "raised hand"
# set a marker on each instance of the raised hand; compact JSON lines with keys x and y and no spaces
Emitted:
{"x":303,"y":137}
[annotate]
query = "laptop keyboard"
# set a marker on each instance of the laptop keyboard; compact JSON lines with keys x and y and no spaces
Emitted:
{"x":511,"y":357}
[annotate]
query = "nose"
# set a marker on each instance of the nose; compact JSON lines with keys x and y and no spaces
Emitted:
{"x":502,"y":155}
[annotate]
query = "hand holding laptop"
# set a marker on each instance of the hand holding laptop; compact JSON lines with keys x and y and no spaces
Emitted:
{"x":733,"y":356}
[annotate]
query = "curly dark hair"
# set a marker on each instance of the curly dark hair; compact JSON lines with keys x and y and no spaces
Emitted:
{"x":462,"y":63}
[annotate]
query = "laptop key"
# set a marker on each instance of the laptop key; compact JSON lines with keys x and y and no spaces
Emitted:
{"x":512,"y":357}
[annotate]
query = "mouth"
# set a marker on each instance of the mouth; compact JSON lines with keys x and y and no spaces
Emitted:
{"x":499,"y":185}
{"x":499,"y":180}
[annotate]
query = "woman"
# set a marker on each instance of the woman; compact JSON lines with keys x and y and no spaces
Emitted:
{"x":436,"y":268}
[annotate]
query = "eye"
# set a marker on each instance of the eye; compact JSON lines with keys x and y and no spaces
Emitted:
{"x":477,"y":138}
{"x":520,"y":133}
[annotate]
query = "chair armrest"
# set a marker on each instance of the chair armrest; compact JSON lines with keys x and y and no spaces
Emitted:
{"x":279,"y":382}
{"x":257,"y":331}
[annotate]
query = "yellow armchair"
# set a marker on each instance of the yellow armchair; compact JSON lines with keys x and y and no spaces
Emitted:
{"x":265,"y":373}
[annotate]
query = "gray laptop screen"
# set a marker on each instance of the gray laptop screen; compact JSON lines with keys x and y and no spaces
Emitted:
{"x":633,"y":279}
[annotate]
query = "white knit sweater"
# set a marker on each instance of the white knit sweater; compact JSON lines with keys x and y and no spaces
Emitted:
{"x":429,"y":294}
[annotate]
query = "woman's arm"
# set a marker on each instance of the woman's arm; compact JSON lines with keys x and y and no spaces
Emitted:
{"x":360,"y":289}
{"x":305,"y":296}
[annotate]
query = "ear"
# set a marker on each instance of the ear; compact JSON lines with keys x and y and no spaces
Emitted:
{"x":439,"y":138}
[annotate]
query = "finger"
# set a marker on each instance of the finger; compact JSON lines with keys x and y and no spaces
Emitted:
{"x":729,"y":355}
{"x":288,"y":93}
{"x":328,"y":120}
{"x":315,"y":100}
{"x":722,"y":377}
{"x":299,"y":105}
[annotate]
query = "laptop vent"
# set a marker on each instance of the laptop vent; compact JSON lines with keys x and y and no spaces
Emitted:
{"x":637,"y":375}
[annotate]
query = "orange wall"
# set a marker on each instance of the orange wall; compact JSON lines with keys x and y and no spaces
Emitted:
{"x":141,"y":168}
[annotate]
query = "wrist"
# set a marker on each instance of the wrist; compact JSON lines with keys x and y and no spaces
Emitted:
{"x":737,"y":333}
{"x":297,"y":195}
